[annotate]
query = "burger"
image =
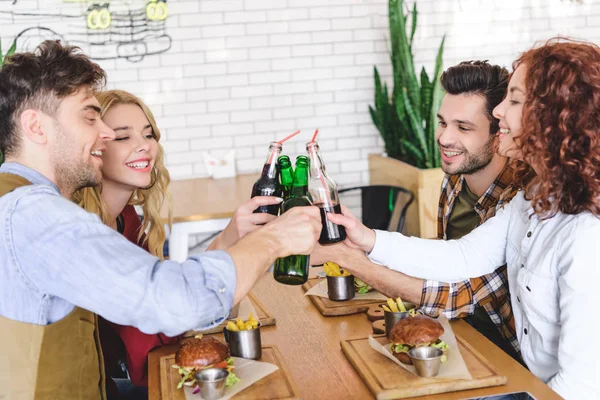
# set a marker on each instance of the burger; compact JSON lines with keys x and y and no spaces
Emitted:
{"x":202,"y":352}
{"x":417,"y":331}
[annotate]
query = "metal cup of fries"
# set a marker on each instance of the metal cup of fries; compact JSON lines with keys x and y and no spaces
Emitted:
{"x":340,"y":288}
{"x":340,"y":283}
{"x":243,"y":338}
{"x":395,"y":311}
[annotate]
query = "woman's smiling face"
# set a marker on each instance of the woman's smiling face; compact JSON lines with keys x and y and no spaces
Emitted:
{"x":510,"y":114}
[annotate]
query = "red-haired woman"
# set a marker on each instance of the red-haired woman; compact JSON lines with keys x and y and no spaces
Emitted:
{"x":549,"y":234}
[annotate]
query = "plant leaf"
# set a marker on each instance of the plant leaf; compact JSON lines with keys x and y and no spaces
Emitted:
{"x":376,"y":112}
{"x":375,"y":118}
{"x":436,"y":100}
{"x":401,"y":110}
{"x":12,"y":49}
{"x":396,"y":19}
{"x":416,"y":125}
{"x":414,"y":152}
{"x":406,"y":61}
{"x":426,"y":93}
{"x":413,"y":24}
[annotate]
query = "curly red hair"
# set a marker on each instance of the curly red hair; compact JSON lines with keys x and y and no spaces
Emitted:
{"x":561,"y":128}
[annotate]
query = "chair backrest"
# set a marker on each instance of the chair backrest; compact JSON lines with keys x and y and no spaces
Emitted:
{"x":383,"y":207}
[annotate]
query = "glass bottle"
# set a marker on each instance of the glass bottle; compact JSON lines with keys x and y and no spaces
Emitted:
{"x":287,"y":174}
{"x":324,"y":194}
{"x":293,"y":270}
{"x":268,"y":183}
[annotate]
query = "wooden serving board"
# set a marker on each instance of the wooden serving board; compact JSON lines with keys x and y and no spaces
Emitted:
{"x":330,"y":308}
{"x":386,"y":380}
{"x":264,"y":317}
{"x":278,"y":385}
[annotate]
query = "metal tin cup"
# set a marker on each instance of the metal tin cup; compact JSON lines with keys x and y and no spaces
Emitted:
{"x":211,"y":382}
{"x":392,"y":318}
{"x":339,"y":288}
{"x":426,"y":360}
{"x":244,"y":344}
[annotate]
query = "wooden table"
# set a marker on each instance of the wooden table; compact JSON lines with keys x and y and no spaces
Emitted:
{"x":310,"y":344}
{"x":202,"y":206}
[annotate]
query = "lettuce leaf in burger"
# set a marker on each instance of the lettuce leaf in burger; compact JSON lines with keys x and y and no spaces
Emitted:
{"x":360,"y":286}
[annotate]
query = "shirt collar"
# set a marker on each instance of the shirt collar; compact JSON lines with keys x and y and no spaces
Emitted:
{"x":492,"y":195}
{"x":31,"y":175}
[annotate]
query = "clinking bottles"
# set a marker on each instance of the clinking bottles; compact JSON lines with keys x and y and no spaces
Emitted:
{"x":324,"y":194}
{"x":293,"y":270}
{"x":268,"y":183}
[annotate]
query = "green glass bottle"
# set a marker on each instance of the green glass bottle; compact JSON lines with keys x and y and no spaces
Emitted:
{"x":293,"y":270}
{"x":287,"y":175}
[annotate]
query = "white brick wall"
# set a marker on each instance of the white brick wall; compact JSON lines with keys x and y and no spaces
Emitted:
{"x":241,"y":73}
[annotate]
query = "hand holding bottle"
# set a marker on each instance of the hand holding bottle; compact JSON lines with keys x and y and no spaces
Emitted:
{"x":324,"y":194}
{"x":245,"y":221}
{"x":357,"y":234}
{"x":294,"y":232}
{"x":293,"y":270}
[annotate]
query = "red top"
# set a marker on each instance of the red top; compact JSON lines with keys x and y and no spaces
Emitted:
{"x":118,"y":340}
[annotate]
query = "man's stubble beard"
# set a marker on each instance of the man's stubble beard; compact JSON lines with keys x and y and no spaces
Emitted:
{"x":475,"y":162}
{"x":71,"y":172}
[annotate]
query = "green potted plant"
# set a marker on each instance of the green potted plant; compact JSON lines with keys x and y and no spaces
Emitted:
{"x":406,"y":118}
{"x":3,"y":58}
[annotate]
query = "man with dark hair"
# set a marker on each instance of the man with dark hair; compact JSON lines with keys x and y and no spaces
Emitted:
{"x":476,"y":185}
{"x":60,"y":266}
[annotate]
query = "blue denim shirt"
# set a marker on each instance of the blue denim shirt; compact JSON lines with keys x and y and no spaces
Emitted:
{"x":54,"y":256}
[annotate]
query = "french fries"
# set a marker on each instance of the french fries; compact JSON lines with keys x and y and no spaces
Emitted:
{"x":241,"y":325}
{"x":332,"y":269}
{"x":395,"y":305}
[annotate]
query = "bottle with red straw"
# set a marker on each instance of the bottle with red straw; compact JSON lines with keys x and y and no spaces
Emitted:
{"x":323,"y":194}
{"x":268,"y":184}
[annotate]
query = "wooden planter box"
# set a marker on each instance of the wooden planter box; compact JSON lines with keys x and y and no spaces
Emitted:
{"x":421,"y":216}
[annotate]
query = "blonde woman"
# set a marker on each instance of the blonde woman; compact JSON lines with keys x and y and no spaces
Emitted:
{"x":133,"y":174}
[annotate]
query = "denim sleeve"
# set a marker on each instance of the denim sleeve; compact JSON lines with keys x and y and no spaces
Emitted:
{"x":64,"y":251}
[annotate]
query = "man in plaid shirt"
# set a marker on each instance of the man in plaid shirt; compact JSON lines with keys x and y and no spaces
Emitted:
{"x":477,"y":184}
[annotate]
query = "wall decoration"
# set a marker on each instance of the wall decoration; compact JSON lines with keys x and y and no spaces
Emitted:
{"x":132,"y":30}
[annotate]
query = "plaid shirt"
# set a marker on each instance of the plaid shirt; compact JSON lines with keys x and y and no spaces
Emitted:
{"x":457,"y":300}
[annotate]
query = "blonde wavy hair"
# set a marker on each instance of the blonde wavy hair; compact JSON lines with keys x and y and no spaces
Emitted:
{"x":151,"y":199}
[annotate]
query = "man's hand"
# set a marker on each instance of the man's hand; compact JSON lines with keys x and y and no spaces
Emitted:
{"x":357,"y":234}
{"x":244,"y":222}
{"x":332,"y":252}
{"x":389,"y":282}
{"x":294,"y":232}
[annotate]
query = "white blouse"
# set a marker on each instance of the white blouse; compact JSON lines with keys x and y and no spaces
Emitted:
{"x":552,"y":272}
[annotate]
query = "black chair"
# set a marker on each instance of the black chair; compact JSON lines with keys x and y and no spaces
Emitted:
{"x":383,"y":207}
